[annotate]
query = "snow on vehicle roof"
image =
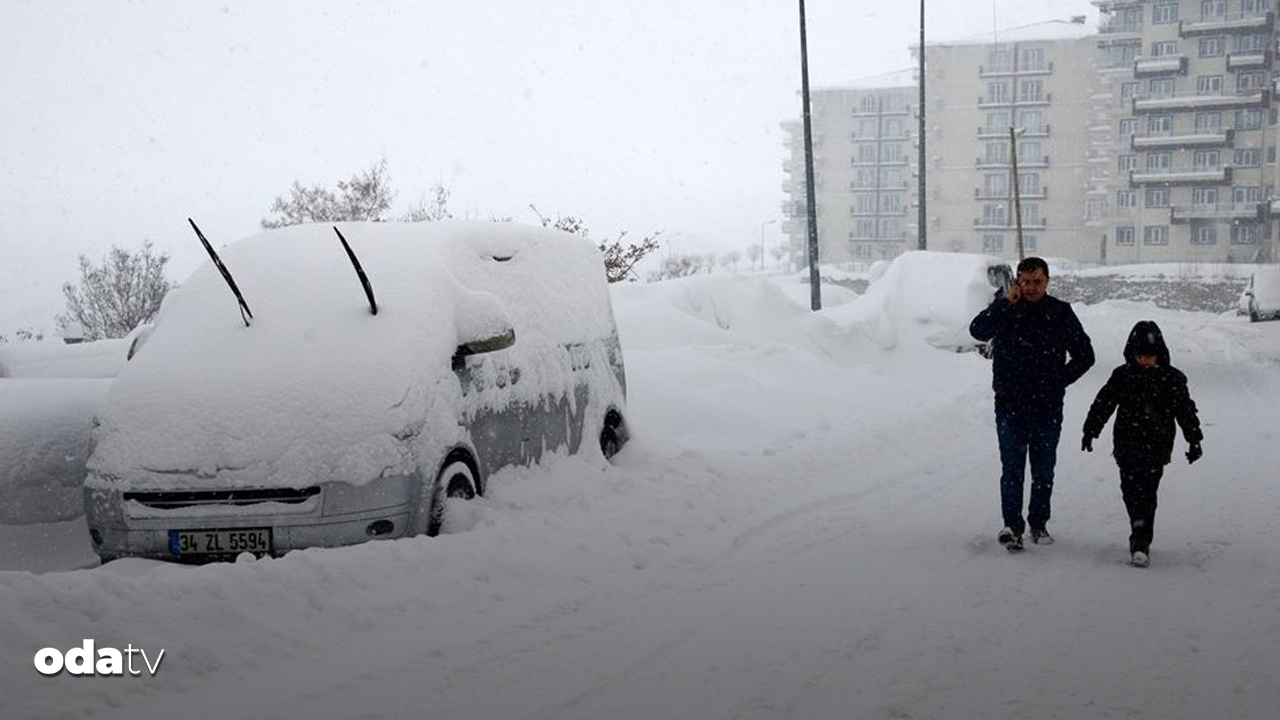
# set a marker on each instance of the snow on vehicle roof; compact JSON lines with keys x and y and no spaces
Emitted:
{"x":56,"y":359}
{"x":319,"y":387}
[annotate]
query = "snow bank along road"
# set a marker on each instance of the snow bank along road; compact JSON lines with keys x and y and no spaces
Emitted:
{"x":802,"y":528}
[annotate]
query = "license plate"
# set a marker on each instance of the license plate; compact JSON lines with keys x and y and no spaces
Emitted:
{"x":220,"y":542}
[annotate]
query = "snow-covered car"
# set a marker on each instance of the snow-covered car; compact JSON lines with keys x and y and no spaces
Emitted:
{"x":321,"y":413}
{"x":1261,"y":297}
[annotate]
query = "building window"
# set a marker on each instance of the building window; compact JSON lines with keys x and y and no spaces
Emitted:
{"x":1032,"y":120}
{"x":1206,"y":160}
{"x":1124,"y":236}
{"x":993,"y":244}
{"x":995,"y":185}
{"x":998,"y":120}
{"x":1163,"y":48}
{"x":1033,"y":59}
{"x":1247,"y":157}
{"x":1160,"y":87}
{"x":863,"y":251}
{"x":1249,"y":119}
{"x":998,"y":60}
{"x":1254,"y":8}
{"x":993,"y":214}
{"x":1159,"y":161}
{"x":1204,"y":197}
{"x":1204,"y":234}
{"x":868,"y":104}
{"x":1031,"y":214}
{"x":1029,"y":243}
{"x":996,"y":152}
{"x":1031,"y":91}
{"x":890,"y":228}
{"x":1160,"y":125}
{"x":1251,"y":80}
{"x":1125,"y":163}
{"x":1251,"y":43}
{"x":998,"y":91}
{"x":868,"y":128}
{"x":1213,"y":9}
{"x":1126,"y":200}
{"x":1215,"y":46}
{"x":1128,"y":91}
{"x":891,"y":178}
{"x":895,"y":103}
{"x":891,"y":153}
{"x":1030,"y":151}
{"x":891,"y":203}
{"x":864,"y":228}
{"x":1128,"y":128}
{"x":1208,"y":122}
{"x":1029,"y":183}
{"x":1155,"y":235}
{"x":1121,"y":55}
{"x":866,"y":153}
{"x":1157,"y":197}
{"x":1164,"y":13}
{"x":1095,"y":208}
{"x":893,"y":128}
{"x":1244,"y":234}
{"x":864,"y":203}
{"x":1209,"y":85}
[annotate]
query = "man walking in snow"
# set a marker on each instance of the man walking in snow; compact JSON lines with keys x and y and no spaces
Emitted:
{"x":1032,"y":334}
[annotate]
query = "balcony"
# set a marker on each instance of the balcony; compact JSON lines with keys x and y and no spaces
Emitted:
{"x":995,"y":224}
{"x":1024,"y":163}
{"x":1214,"y":138}
{"x":903,"y":109}
{"x":1163,"y":65}
{"x":1248,"y":60}
{"x":1229,"y":23}
{"x":1214,"y":211}
{"x":1248,"y":98}
{"x":1114,"y":28}
{"x":987,"y":71}
{"x":1191,"y":176}
{"x":991,"y":133}
{"x":1036,"y":193}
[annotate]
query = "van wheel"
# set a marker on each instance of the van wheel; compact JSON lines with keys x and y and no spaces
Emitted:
{"x":456,"y":482}
{"x":609,"y":444}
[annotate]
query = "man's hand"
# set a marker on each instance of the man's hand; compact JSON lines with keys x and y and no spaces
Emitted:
{"x":1086,"y":444}
{"x":1194,"y":453}
{"x":1014,"y":294}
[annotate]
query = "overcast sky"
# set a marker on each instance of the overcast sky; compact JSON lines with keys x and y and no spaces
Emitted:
{"x":121,"y":119}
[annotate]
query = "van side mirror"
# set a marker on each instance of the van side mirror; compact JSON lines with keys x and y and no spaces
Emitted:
{"x":492,"y":343}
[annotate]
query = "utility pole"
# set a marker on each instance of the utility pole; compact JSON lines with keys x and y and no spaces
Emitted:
{"x":815,"y":281}
{"x":1017,"y":191}
{"x":922,"y":214}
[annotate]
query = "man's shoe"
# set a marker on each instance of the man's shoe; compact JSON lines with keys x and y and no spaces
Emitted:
{"x":1010,"y":540}
{"x":1041,"y":536}
{"x":1139,"y":559}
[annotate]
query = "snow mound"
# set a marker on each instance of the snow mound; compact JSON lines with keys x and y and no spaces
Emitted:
{"x":44,"y":442}
{"x":55,"y":359}
{"x":922,"y":298}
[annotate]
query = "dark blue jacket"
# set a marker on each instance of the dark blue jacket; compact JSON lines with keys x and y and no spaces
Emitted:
{"x":1030,"y":345}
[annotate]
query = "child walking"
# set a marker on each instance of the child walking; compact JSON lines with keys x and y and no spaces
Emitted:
{"x":1151,"y":396}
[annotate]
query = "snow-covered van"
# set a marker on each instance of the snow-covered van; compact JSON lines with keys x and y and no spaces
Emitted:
{"x":1261,"y":298}
{"x":370,"y":374}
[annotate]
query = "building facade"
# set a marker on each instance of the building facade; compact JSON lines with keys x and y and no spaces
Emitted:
{"x":1187,"y":98}
{"x":864,"y":174}
{"x":1023,"y":101}
{"x":1151,"y":138}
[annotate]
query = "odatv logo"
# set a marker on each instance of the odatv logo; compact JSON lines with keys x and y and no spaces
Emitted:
{"x":84,"y":661}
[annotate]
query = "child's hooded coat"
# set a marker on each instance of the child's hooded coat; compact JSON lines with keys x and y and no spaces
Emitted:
{"x":1150,"y":401}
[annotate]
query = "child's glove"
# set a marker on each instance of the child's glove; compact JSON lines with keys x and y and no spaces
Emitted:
{"x":1194,"y":452}
{"x":1086,"y":445}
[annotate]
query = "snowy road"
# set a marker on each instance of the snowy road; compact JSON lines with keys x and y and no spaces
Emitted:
{"x":802,"y":529}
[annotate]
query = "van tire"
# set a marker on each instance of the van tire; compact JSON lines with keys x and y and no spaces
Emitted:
{"x":456,"y":481}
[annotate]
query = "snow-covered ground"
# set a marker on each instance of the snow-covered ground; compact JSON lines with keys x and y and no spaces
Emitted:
{"x":802,"y":527}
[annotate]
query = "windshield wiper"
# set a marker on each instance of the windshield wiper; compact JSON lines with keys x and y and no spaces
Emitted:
{"x":226,"y":275}
{"x":364,"y":281}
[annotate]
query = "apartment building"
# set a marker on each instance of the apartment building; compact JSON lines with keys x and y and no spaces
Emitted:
{"x":1038,"y":86}
{"x":864,"y":174}
{"x":1185,"y":148}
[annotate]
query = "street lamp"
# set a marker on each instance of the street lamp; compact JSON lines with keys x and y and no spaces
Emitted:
{"x":766,"y":222}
